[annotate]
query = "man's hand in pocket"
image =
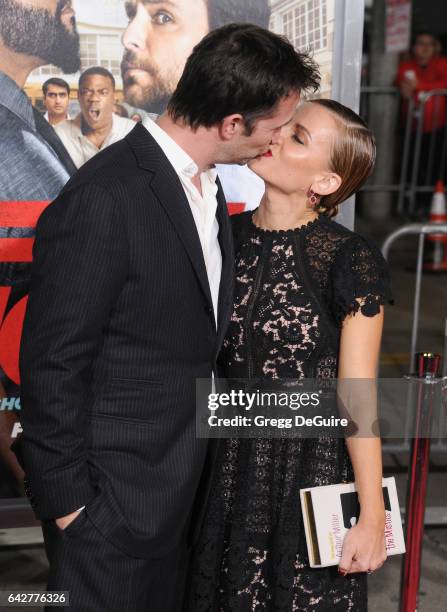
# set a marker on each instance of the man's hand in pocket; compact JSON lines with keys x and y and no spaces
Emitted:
{"x":64,"y":521}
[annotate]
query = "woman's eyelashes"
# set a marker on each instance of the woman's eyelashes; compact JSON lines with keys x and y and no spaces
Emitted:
{"x":296,"y":138}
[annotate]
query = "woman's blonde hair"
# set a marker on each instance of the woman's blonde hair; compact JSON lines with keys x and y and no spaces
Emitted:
{"x":353,"y":155}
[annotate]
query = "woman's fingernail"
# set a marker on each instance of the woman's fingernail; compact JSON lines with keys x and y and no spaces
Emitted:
{"x":342,"y":571}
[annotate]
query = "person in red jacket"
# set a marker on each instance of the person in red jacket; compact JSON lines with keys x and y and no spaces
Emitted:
{"x":425,"y":71}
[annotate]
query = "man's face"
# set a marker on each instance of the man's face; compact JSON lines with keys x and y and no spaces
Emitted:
{"x":424,"y":49}
{"x":56,"y":100}
{"x":45,"y":29}
{"x":96,"y":99}
{"x":265,"y":132}
{"x":158,"y":40}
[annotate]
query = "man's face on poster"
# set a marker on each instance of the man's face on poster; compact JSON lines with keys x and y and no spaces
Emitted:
{"x":45,"y":29}
{"x":158,"y":40}
{"x":96,"y":98}
{"x":56,"y":100}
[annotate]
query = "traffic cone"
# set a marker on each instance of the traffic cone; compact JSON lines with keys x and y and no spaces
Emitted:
{"x":437,"y":257}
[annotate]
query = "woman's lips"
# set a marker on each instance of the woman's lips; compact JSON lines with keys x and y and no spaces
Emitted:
{"x":267,"y":154}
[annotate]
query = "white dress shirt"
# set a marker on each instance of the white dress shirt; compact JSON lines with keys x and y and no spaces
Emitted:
{"x":79,"y":147}
{"x":203,"y":207}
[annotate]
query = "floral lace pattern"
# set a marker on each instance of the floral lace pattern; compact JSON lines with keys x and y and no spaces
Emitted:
{"x":293,"y":289}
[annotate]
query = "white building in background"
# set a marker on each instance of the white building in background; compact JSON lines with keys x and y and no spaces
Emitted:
{"x":309,"y":25}
{"x":100,"y":25}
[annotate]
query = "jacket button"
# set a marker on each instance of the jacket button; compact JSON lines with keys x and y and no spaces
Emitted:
{"x":209,"y":310}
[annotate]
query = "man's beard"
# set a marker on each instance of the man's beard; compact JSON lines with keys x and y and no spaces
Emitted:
{"x":153,"y":97}
{"x":36,"y":32}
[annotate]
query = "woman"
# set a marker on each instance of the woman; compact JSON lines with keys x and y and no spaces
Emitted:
{"x":308,"y":303}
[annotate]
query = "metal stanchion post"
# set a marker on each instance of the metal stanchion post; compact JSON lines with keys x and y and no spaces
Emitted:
{"x":427,"y":365}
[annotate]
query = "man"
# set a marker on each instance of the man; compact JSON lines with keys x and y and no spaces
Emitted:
{"x":159,"y":38}
{"x":97,"y":126}
{"x":33,"y":163}
{"x":56,"y":98}
{"x":33,"y":33}
{"x":130,"y":299}
{"x":120,"y":110}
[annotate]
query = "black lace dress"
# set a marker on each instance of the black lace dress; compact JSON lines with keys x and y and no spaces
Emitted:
{"x":293,"y":289}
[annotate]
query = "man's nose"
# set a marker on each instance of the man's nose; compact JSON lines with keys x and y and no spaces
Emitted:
{"x":134,"y":37}
{"x":276,"y":137}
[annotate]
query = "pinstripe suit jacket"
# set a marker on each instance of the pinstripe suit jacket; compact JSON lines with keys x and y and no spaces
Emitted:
{"x":119,"y":325}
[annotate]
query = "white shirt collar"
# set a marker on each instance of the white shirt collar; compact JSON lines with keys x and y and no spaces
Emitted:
{"x":178,"y":158}
{"x":47,"y":117}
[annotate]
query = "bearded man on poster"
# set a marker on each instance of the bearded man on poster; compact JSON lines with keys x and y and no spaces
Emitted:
{"x":34,"y":164}
{"x":157,"y":42}
{"x":130,"y":298}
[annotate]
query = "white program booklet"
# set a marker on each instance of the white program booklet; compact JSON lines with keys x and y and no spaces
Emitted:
{"x":330,"y":511}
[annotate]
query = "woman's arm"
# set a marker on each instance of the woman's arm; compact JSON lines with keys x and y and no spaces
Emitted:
{"x":364,"y":549}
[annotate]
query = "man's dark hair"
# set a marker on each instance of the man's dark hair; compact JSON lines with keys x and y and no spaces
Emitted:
{"x":420,"y":33}
{"x":240,"y":68}
{"x":55,"y":81}
{"x":221,"y":13}
{"x":96,"y":70}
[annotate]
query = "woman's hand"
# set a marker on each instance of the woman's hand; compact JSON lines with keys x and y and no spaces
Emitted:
{"x":364,"y":548}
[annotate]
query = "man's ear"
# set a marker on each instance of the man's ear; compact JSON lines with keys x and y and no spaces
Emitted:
{"x":326,"y":183}
{"x":231,"y":126}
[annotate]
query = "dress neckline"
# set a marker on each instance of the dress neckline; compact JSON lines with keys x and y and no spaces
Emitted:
{"x":288,"y":232}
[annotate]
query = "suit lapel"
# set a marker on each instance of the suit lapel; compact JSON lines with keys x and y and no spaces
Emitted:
{"x":169,"y":191}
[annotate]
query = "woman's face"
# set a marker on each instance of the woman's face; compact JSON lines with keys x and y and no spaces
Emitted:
{"x":301,"y":158}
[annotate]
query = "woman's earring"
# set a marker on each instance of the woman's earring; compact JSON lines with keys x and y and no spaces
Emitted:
{"x":313,"y":197}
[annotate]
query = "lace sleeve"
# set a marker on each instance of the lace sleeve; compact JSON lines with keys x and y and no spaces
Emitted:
{"x":360,"y":279}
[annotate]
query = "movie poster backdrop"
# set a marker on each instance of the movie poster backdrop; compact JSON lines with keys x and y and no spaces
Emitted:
{"x":144,"y":46}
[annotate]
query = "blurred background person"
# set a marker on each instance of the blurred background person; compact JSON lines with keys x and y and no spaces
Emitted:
{"x":119,"y":110}
{"x":425,"y":71}
{"x":56,"y":99}
{"x":32,"y":34}
{"x":97,"y":126}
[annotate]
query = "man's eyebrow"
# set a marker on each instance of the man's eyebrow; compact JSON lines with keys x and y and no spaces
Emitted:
{"x":301,"y":127}
{"x":131,"y":6}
